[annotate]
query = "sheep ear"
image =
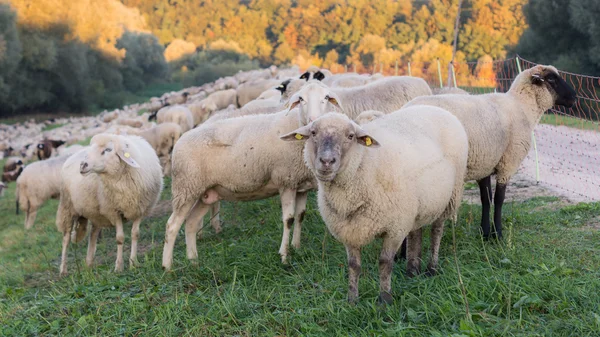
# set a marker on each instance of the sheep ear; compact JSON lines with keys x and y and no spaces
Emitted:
{"x":319,"y":76}
{"x":365,"y":139}
{"x":305,"y":76}
{"x":537,"y":79}
{"x":293,"y":102}
{"x":302,"y":133}
{"x":333,"y":99}
{"x":126,"y":157}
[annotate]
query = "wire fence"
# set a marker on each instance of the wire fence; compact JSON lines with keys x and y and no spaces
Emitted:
{"x":566,"y":152}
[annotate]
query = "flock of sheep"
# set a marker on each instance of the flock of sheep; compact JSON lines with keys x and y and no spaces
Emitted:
{"x":386,"y":155}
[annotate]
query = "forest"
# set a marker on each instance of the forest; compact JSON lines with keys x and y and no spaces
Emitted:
{"x":83,"y":56}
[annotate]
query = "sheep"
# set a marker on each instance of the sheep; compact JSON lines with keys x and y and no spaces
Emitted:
{"x":367,"y":190}
{"x":132,"y":122}
{"x":216,"y":101}
{"x":311,"y":73}
{"x":354,"y":80}
{"x":163,"y":138}
{"x":109,"y":117}
{"x":368,"y":116}
{"x":225,"y":83}
{"x":2,"y":189}
{"x":385,"y":95}
{"x":39,"y":182}
{"x":178,"y":114}
{"x":448,"y":90}
{"x":117,"y":178}
{"x":12,"y":163}
{"x":249,"y":91}
{"x":265,"y":106}
{"x":177,"y":98}
{"x":63,"y":150}
{"x":247,"y":162}
{"x":46,"y":147}
{"x":12,"y":175}
{"x":499,"y":127}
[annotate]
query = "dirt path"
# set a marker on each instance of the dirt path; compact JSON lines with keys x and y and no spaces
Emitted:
{"x":569,"y":165}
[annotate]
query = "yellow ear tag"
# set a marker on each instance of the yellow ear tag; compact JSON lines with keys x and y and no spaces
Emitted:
{"x":126,"y":154}
{"x":368,"y":141}
{"x":299,"y":136}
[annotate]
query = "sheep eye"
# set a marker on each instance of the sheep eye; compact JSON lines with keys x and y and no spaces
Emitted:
{"x":106,"y":150}
{"x":301,"y":99}
{"x":351,"y":136}
{"x":314,"y":133}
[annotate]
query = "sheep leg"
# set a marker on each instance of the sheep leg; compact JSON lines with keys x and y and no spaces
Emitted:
{"x":30,"y":217}
{"x":401,"y":254}
{"x":65,"y":244}
{"x":353,"y":272}
{"x":135,"y":232}
{"x":120,"y":241}
{"x":437,"y":231}
{"x":299,"y":217}
{"x":413,"y":253}
{"x":498,"y":202}
{"x":386,"y":264}
{"x":485,"y":193}
{"x":193,"y":224}
{"x":215,"y":220}
{"x":173,"y":225}
{"x":91,"y":252}
{"x":288,"y":204}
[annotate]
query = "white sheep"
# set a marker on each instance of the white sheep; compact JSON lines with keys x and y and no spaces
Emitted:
{"x":247,"y":162}
{"x":376,"y":181}
{"x":178,"y":114}
{"x":448,"y":90}
{"x":163,"y":138}
{"x":249,"y":91}
{"x":39,"y":182}
{"x":386,"y":95}
{"x":499,"y":127}
{"x":218,"y":100}
{"x":368,"y":116}
{"x":117,"y":178}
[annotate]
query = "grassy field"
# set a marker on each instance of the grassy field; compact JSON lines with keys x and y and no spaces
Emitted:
{"x":543,"y":280}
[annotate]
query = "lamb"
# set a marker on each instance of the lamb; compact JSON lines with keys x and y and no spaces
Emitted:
{"x":249,"y":91}
{"x":247,"y":163}
{"x":216,"y":101}
{"x":367,"y":190}
{"x":178,"y":114}
{"x":46,"y":147}
{"x":385,"y":95}
{"x":117,"y":178}
{"x":499,"y":127}
{"x":39,"y":182}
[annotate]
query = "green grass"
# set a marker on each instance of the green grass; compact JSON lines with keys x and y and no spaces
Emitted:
{"x":578,"y":123}
{"x":543,"y":280}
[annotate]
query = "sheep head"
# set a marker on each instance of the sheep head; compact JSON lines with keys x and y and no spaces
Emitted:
{"x":549,"y":78}
{"x":331,"y":140}
{"x":108,"y":154}
{"x":314,"y":100}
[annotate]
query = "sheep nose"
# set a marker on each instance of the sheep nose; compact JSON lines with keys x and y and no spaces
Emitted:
{"x":327,"y":161}
{"x":83,"y":165}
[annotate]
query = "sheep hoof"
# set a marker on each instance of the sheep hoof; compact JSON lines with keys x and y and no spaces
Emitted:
{"x":194,"y":261}
{"x":412,"y":272}
{"x":431,"y":271}
{"x":385,"y":298}
{"x":492,"y":237}
{"x":284,"y":259}
{"x":352,"y":299}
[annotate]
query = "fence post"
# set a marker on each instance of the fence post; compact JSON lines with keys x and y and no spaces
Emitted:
{"x":381,"y":68}
{"x":440,"y":73}
{"x":409,"y":70}
{"x":537,"y":162}
{"x":453,"y":73}
{"x":345,"y":68}
{"x":396,"y":68}
{"x":354,"y":67}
